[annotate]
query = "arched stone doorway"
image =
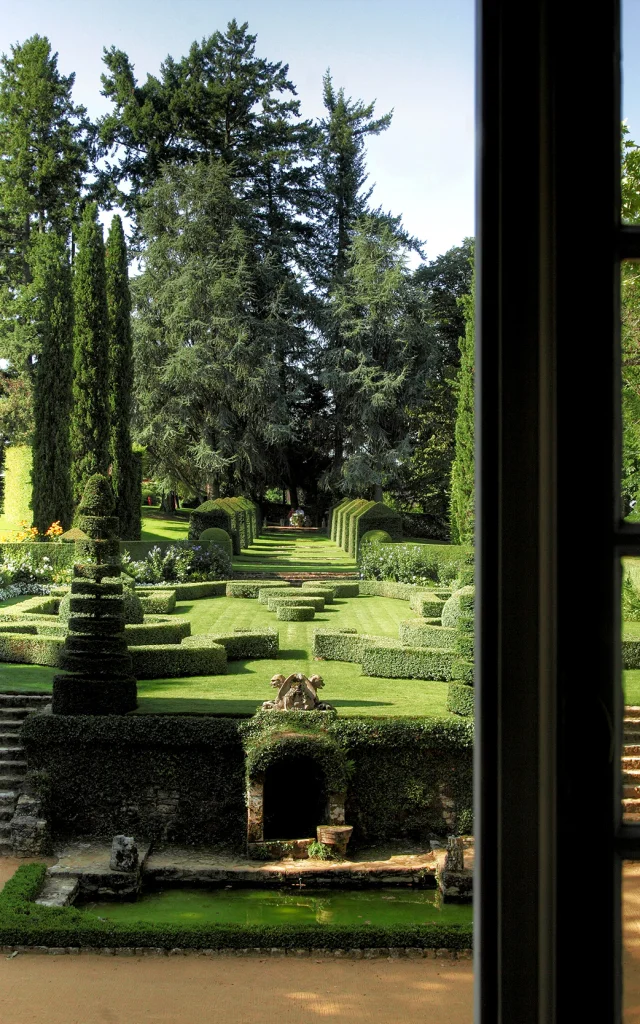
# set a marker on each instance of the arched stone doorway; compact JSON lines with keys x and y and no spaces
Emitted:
{"x":295,"y":798}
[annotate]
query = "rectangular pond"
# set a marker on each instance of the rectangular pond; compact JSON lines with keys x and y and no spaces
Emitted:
{"x":377,"y":907}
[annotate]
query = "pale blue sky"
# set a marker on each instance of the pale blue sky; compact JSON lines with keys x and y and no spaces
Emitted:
{"x":415,"y":56}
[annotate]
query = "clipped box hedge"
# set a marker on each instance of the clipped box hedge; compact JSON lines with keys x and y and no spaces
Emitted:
{"x":31,"y":606}
{"x":265,"y":592}
{"x":334,"y":513}
{"x":157,"y":602}
{"x":460,"y":699}
{"x":630,"y":653}
{"x":345,"y":644}
{"x":278,"y":600}
{"x":23,"y":922}
{"x":395,"y":662}
{"x":158,"y":630}
{"x":195,"y":656}
{"x":196,"y":591}
{"x":427,"y":605}
{"x":295,"y":612}
{"x":419,"y":633}
{"x":26,"y":649}
{"x":247,"y":643}
{"x":251,"y":588}
{"x":343,"y":589}
{"x":327,"y":593}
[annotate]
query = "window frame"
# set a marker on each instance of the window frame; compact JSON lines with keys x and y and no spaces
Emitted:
{"x":549,"y":835}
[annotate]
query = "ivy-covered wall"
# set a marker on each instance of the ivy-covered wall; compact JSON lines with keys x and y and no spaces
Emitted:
{"x":183,"y":779}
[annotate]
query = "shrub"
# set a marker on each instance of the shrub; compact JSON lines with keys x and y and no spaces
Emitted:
{"x":179,"y":565}
{"x":278,"y":600}
{"x":320,"y":851}
{"x":396,"y":662}
{"x":266,"y":592}
{"x":417,"y":633}
{"x":195,"y":656}
{"x":295,"y":612}
{"x":376,"y":537}
{"x":218,"y":537}
{"x":460,"y":603}
{"x":320,"y":586}
{"x":30,"y":650}
{"x":158,"y":602}
{"x":133,"y":608}
{"x":252,"y":588}
{"x":373,"y":516}
{"x":419,"y":564}
{"x":630,"y":653}
{"x":460,"y":700}
{"x":248,"y":643}
{"x":158,"y":630}
{"x":429,"y":606}
{"x":340,"y":589}
{"x":326,"y":593}
{"x":630,"y":600}
{"x":345,"y":644}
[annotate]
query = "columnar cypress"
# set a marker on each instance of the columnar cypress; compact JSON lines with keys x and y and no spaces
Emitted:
{"x":52,"y":498}
{"x":462,"y":471}
{"x":126,"y":467}
{"x":90,"y":412}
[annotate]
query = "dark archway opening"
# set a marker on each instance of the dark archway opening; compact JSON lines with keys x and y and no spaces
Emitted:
{"x":295,"y":799}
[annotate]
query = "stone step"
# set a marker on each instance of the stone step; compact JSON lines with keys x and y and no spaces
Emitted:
{"x":12,"y":769}
{"x":631,"y":792}
{"x":10,"y":739}
{"x":12,"y":725}
{"x":628,"y":750}
{"x":14,"y":753}
{"x":7,"y":794}
{"x":629,"y":763}
{"x":631,"y":805}
{"x":6,"y":813}
{"x":31,"y":701}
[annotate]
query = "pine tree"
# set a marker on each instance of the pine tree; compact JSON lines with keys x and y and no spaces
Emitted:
{"x":126,"y":466}
{"x":44,"y":155}
{"x":462,"y":471}
{"x":51,"y":288}
{"x":90,"y":413}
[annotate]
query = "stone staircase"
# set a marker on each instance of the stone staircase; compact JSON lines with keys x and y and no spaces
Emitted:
{"x":14,"y":708}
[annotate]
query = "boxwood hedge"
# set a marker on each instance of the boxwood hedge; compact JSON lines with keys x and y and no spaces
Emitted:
{"x":30,"y":650}
{"x":418,"y":633}
{"x":248,"y":643}
{"x":158,"y":629}
{"x":394,"y":662}
{"x":157,"y":602}
{"x":278,"y":600}
{"x":295,"y":612}
{"x":195,"y":656}
{"x":251,"y":588}
{"x":345,"y":644}
{"x":266,"y":592}
{"x":460,"y":699}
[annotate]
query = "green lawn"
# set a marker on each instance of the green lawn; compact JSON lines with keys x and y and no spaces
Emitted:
{"x":156,"y":527}
{"x":247,"y":683}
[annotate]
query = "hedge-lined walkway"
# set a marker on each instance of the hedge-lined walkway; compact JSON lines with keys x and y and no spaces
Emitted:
{"x":292,"y":554}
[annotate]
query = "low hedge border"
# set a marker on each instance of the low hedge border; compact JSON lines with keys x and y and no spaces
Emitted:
{"x":24,"y":649}
{"x":158,"y":629}
{"x":251,"y":588}
{"x":460,"y":700}
{"x":327,"y":593}
{"x":32,"y":606}
{"x":406,"y":592}
{"x":295,"y":612}
{"x":345,"y":644}
{"x":266,"y":592}
{"x":392,"y":662}
{"x":247,"y":643}
{"x":26,"y":923}
{"x":355,"y":953}
{"x":158,"y":602}
{"x":341,"y":589}
{"x":195,"y":656}
{"x":427,"y":605}
{"x":418,"y":633}
{"x":309,"y":602}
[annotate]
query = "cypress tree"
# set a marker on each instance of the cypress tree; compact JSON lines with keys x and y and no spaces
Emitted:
{"x":126,"y":466}
{"x":462,"y":471}
{"x":90,"y":412}
{"x":52,"y":499}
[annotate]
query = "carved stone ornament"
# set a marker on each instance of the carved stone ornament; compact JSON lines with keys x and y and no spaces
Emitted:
{"x":297,"y":693}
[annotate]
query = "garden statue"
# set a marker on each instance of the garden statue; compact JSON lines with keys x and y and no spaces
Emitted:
{"x":297,"y":693}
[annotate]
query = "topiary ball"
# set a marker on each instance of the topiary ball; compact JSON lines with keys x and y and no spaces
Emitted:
{"x":133,"y":610}
{"x":460,"y":603}
{"x":219,"y":537}
{"x":376,"y":537}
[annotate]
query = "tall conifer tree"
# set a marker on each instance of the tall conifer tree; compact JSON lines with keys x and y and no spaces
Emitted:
{"x":462,"y":471}
{"x":51,"y":288}
{"x":126,"y":466}
{"x":90,"y":412}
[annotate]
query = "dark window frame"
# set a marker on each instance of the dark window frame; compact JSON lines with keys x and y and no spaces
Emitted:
{"x":549,"y":836}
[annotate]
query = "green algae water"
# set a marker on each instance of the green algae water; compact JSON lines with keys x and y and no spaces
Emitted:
{"x":379,"y":907}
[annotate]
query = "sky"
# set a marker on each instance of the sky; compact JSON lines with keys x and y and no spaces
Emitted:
{"x":413,"y":56}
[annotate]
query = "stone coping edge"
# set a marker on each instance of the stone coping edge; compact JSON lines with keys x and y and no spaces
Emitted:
{"x":391,"y":953}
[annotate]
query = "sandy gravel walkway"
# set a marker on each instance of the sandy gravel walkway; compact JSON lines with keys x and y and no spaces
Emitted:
{"x":37,"y":989}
